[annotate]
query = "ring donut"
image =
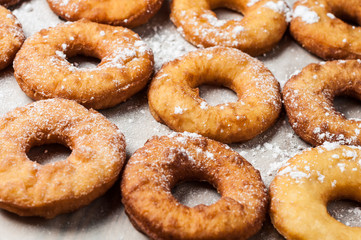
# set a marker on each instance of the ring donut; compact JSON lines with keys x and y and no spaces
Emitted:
{"x":309,"y":181}
{"x":42,"y":71}
{"x":174,"y":97}
{"x":317,"y":28}
{"x":308,"y":99}
{"x":262,"y":27}
{"x":28,"y":188}
{"x":154,"y":170}
{"x":115,"y":12}
{"x":11,"y":37}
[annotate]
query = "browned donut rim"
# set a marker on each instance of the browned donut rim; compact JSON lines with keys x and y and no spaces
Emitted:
{"x":308,"y":98}
{"x":164,"y":161}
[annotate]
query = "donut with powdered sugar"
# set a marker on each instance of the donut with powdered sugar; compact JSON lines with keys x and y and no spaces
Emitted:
{"x":319,"y":27}
{"x":163,"y":162}
{"x":306,"y":184}
{"x":263,"y":25}
{"x":174,"y":96}
{"x":42,"y":70}
{"x":11,"y":37}
{"x":29,"y":188}
{"x":308,"y":99}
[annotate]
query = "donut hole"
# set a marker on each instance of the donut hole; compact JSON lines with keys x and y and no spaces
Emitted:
{"x":347,"y":19}
{"x":193,"y":193}
{"x":84,"y":62}
{"x":216,"y":95}
{"x":48,"y":153}
{"x":346,"y":211}
{"x":348,"y":106}
{"x":346,"y":13}
{"x":227,"y":14}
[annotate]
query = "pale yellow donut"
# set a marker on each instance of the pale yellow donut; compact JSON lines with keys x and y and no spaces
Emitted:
{"x":304,"y":186}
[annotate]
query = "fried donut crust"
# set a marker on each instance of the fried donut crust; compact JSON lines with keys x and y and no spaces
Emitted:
{"x":329,"y":37}
{"x":115,"y":12}
{"x":11,"y":37}
{"x":308,"y":99}
{"x":28,"y":188}
{"x":262,"y":27}
{"x":42,"y":71}
{"x":154,"y":170}
{"x":174,"y":97}
{"x":307,"y":183}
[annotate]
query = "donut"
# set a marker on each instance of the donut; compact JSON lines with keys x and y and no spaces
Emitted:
{"x":263,"y":25}
{"x":11,"y":37}
{"x":29,"y":188}
{"x":307,"y":183}
{"x":308,"y":99}
{"x":42,"y":71}
{"x":115,"y":12}
{"x":317,"y":26}
{"x":163,"y":162}
{"x":174,"y":97}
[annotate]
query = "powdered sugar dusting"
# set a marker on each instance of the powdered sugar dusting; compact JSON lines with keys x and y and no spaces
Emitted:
{"x":252,"y":2}
{"x":307,"y":15}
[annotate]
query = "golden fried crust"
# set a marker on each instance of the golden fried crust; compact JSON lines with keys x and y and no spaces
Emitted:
{"x":42,"y":70}
{"x":308,"y":99}
{"x":154,"y":170}
{"x":115,"y":12}
{"x":304,"y":186}
{"x":11,"y":37}
{"x":174,"y":97}
{"x":28,"y":188}
{"x":329,"y":37}
{"x":262,"y":27}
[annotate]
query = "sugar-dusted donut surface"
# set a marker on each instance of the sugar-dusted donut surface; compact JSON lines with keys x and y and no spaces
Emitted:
{"x":154,"y":170}
{"x":307,"y":183}
{"x":127,"y":13}
{"x":174,"y":97}
{"x":308,"y":98}
{"x":42,"y":70}
{"x":29,"y":188}
{"x":11,"y":37}
{"x":319,"y":27}
{"x":263,"y":25}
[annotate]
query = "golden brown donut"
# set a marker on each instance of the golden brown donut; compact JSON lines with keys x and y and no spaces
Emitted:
{"x":307,"y":183}
{"x":308,"y":99}
{"x":42,"y":70}
{"x":317,"y":26}
{"x":28,"y":188}
{"x":154,"y":170}
{"x":174,"y":97}
{"x":262,"y":27}
{"x":11,"y":37}
{"x":127,"y":13}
